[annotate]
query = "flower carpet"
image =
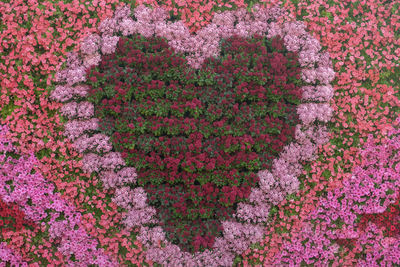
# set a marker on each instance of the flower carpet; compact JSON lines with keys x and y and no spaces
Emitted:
{"x":151,"y":133}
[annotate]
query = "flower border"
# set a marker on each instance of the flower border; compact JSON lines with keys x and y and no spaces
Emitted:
{"x":111,"y":166}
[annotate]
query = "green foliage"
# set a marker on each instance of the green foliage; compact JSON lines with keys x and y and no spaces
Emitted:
{"x":12,"y":155}
{"x":45,"y":152}
{"x":327,"y":174}
{"x":8,"y":109}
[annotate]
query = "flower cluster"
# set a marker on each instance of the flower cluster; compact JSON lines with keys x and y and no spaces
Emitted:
{"x":361,"y":39}
{"x":7,"y":255}
{"x":29,"y":190}
{"x":11,"y":217}
{"x":167,"y":123}
{"x":362,"y":216}
{"x":134,"y":135}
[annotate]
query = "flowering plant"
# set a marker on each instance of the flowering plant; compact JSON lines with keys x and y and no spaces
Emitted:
{"x":78,"y":201}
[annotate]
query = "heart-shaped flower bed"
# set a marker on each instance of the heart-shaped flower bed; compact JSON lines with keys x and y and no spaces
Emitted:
{"x":199,"y":126}
{"x":197,"y":138}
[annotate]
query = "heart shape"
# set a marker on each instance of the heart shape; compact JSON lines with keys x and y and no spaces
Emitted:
{"x":249,"y":223}
{"x":197,"y":138}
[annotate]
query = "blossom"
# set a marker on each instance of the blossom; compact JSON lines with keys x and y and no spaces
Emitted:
{"x":90,"y":44}
{"x":109,"y":44}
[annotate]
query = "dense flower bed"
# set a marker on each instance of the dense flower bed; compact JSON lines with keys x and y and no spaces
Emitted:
{"x":115,"y":93}
{"x":199,"y":136}
{"x":64,"y":193}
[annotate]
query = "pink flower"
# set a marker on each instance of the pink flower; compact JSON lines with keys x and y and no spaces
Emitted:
{"x":108,"y":26}
{"x":127,"y":26}
{"x":109,"y":44}
{"x":90,"y":44}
